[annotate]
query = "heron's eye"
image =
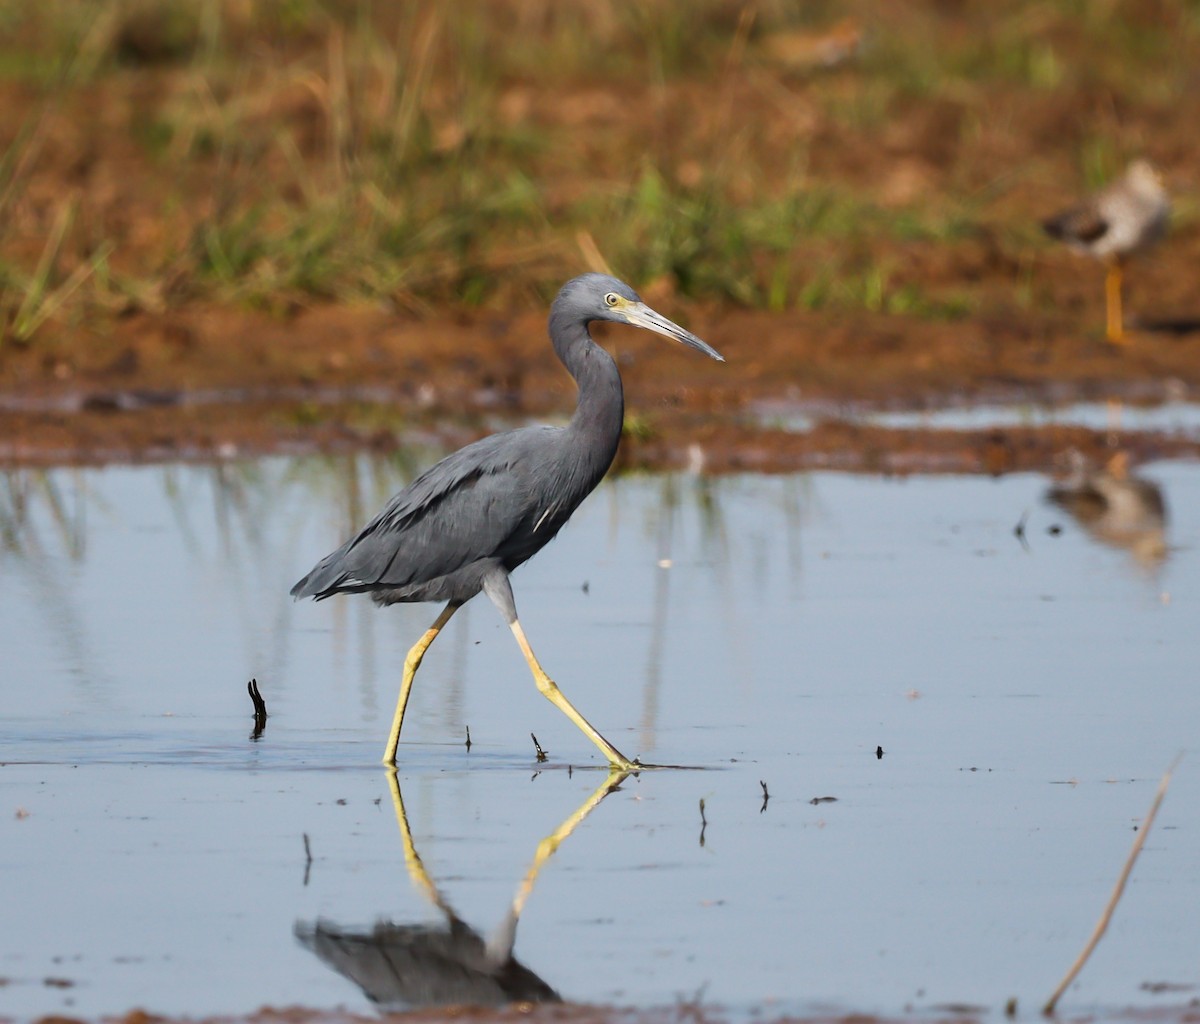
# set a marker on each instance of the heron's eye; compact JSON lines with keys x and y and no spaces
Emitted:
{"x":611,"y":299}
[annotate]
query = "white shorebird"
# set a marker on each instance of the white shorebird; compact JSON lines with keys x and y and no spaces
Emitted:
{"x":1126,"y":217}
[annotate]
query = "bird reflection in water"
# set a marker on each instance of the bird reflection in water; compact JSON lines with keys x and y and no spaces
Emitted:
{"x":1116,"y":507}
{"x":410,"y":966}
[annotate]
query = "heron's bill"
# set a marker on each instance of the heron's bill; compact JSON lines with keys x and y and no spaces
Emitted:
{"x":641,"y":315}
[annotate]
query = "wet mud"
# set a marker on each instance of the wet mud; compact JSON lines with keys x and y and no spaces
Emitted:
{"x":217,"y":382}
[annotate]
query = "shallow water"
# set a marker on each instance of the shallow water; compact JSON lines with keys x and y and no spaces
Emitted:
{"x":1027,"y":695}
{"x":1179,"y":419}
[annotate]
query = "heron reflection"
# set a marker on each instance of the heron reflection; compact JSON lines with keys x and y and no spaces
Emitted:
{"x":412,"y":966}
{"x":1116,"y":507}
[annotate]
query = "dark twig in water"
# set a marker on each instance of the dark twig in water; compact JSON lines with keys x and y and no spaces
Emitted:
{"x":541,"y":754}
{"x":468,"y":739}
{"x":1019,"y":530}
{"x":307,"y":858}
{"x":260,"y":709}
{"x":1102,"y":924}
{"x":823,"y":800}
{"x":703,"y":821}
{"x":766,"y":796}
{"x":260,"y":705}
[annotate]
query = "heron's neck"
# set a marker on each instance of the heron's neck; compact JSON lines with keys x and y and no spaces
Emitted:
{"x":600,"y":410}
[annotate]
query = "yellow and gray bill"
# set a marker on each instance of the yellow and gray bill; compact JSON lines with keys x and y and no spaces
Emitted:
{"x":641,"y":315}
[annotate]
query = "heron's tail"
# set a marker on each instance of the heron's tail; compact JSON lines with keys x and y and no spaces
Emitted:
{"x":325,"y":578}
{"x":307,"y":587}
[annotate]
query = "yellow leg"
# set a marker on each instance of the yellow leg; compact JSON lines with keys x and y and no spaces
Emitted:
{"x":500,"y":946}
{"x":1112,"y":291}
{"x":550,"y":690}
{"x":412,"y":860}
{"x":549,"y":846}
{"x":411,"y":664}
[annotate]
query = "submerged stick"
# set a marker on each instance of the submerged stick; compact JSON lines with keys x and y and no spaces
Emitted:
{"x":1106,"y":916}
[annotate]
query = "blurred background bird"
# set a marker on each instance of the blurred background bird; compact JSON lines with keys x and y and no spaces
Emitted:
{"x":1124,"y":218}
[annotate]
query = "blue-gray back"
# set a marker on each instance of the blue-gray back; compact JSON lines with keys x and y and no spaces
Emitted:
{"x":503,"y":497}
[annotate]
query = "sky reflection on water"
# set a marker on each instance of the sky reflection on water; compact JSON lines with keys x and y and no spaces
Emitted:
{"x":773,"y":629}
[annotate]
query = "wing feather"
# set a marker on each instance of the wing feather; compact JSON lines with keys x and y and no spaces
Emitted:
{"x":461,"y":510}
{"x":1082,"y":224}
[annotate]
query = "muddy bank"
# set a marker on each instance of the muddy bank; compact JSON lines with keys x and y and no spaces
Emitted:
{"x":339,"y":225}
{"x":218,"y":383}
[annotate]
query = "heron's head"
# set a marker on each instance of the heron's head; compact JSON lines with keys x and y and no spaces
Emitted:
{"x":600,"y":297}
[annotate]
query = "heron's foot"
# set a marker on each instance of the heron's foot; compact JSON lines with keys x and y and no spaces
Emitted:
{"x":638,"y":765}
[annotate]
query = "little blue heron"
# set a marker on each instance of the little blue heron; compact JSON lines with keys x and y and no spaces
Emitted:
{"x":463,"y":525}
{"x":1126,"y":217}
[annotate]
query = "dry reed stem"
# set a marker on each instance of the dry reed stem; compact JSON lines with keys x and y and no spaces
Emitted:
{"x":592,"y":256}
{"x":1106,"y":916}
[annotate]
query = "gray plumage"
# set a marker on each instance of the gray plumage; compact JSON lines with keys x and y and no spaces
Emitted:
{"x":489,"y":506}
{"x":465,"y":524}
{"x":412,"y":967}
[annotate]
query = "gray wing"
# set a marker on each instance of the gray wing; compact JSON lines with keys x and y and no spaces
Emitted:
{"x":414,"y":966}
{"x":459,"y":511}
{"x":1082,"y":224}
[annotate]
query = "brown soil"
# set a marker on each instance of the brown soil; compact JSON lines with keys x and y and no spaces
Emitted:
{"x":170,"y":375}
{"x":209,"y":382}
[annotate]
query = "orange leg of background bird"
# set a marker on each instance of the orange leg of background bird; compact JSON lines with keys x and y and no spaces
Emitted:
{"x":1112,"y":291}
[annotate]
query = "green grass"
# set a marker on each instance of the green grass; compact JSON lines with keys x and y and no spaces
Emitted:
{"x":361,"y":150}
